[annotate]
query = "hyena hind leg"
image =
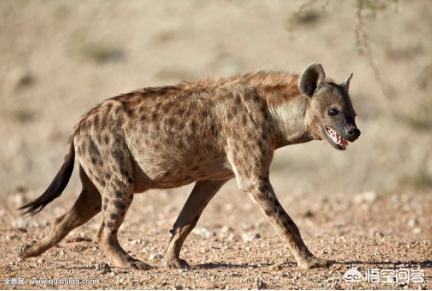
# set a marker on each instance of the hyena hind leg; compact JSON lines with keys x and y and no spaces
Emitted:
{"x":87,"y":205}
{"x":200,"y":196}
{"x":115,"y":203}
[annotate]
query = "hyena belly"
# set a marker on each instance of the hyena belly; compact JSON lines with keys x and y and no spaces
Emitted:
{"x":172,"y":149}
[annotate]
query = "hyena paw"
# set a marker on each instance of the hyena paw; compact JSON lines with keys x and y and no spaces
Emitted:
{"x":314,"y":262}
{"x":175,"y":263}
{"x":27,"y":249}
{"x":136,"y":264}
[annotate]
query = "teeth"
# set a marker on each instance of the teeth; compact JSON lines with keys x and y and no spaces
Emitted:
{"x":337,"y":139}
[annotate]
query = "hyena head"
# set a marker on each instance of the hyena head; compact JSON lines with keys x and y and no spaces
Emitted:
{"x":331,"y":115}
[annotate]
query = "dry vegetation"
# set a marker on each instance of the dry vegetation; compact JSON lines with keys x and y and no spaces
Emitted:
{"x":369,"y":206}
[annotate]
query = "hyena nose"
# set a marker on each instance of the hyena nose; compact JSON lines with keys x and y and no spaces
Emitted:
{"x":354,"y":133}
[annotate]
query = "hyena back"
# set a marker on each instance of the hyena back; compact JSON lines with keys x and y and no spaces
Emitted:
{"x":205,"y":132}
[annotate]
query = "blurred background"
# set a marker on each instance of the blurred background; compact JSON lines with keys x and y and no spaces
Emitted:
{"x":60,"y":58}
{"x":370,"y":205}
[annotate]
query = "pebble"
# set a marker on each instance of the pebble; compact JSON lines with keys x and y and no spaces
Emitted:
{"x":246,"y":226}
{"x":135,"y":241}
{"x":103,"y":268}
{"x":259,"y":284}
{"x":202,"y":231}
{"x":225,"y":229}
{"x":19,"y":223}
{"x":250,"y":236}
{"x":19,"y":199}
{"x":231,"y":237}
{"x":156,"y":257}
{"x":11,"y":236}
{"x":308,"y":214}
{"x":412,"y":222}
{"x":365,"y":197}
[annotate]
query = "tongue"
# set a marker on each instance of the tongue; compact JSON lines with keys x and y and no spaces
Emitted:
{"x":344,"y":143}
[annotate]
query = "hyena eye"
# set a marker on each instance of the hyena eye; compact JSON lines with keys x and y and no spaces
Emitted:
{"x":333,"y":111}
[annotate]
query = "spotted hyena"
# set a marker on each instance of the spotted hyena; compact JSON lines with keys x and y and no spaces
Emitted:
{"x":205,"y":132}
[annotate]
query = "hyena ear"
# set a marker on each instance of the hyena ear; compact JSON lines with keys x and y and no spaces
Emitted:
{"x":346,"y":83}
{"x":310,"y":79}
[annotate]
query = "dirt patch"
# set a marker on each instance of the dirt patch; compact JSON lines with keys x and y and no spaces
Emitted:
{"x":233,"y":246}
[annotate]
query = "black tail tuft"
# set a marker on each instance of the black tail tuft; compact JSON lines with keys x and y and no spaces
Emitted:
{"x":56,"y":187}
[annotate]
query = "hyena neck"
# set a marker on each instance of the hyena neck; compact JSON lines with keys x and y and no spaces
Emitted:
{"x":288,"y":107}
{"x":291,"y":120}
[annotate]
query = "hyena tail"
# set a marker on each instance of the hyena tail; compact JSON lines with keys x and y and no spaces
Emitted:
{"x":56,"y":187}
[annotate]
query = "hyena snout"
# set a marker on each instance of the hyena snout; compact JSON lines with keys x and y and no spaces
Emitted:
{"x":352,"y":132}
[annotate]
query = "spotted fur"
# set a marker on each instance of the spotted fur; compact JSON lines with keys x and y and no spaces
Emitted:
{"x":206,"y":132}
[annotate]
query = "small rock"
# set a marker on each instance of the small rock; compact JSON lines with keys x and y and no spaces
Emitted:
{"x":19,"y":223}
{"x":231,"y":237}
{"x":11,"y":236}
{"x":365,"y":197}
{"x":250,"y":236}
{"x":19,"y":199}
{"x":261,"y":223}
{"x":246,"y":226}
{"x":103,"y":268}
{"x":135,"y":241}
{"x":40,"y":261}
{"x":225,"y":229}
{"x":202,"y":231}
{"x":412,"y":222}
{"x":178,"y":287}
{"x":417,"y":230}
{"x":157,"y":257}
{"x":259,"y":284}
{"x":309,"y":214}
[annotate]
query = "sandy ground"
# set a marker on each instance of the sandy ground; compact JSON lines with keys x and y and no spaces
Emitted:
{"x":233,"y":246}
{"x":368,"y":207}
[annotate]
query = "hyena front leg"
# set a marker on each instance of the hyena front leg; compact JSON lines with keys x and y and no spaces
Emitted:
{"x":250,"y":163}
{"x":87,"y":205}
{"x":262,"y":193}
{"x":200,"y":196}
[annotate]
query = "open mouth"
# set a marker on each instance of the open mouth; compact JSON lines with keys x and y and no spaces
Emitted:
{"x":339,"y":142}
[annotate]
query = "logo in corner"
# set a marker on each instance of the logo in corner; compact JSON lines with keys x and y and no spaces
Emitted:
{"x":352,"y":275}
